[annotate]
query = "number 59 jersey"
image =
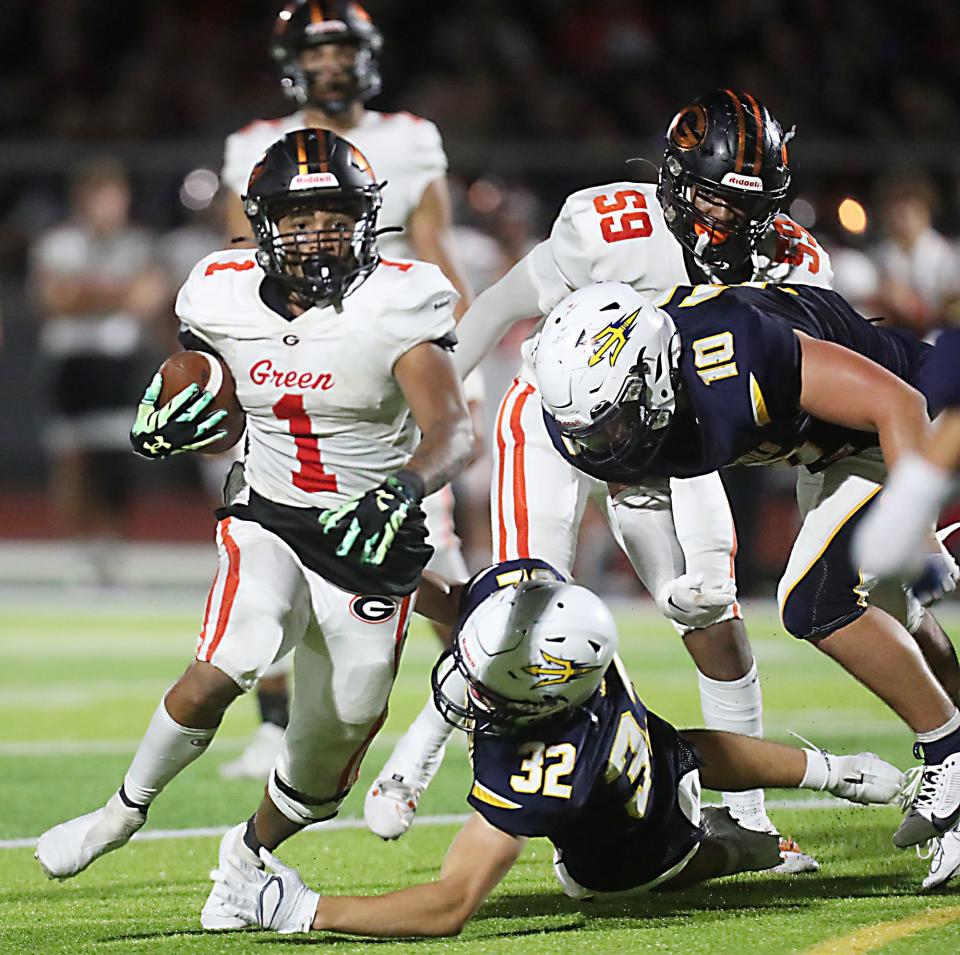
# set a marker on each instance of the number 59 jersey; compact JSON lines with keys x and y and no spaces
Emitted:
{"x":617,"y":233}
{"x":609,"y":785}
{"x":326,"y":418}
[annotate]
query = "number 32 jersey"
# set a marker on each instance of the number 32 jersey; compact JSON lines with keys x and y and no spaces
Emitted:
{"x":601,"y":784}
{"x":326,"y":419}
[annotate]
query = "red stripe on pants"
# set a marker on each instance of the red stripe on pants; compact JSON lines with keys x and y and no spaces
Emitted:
{"x":229,"y":587}
{"x":519,"y":475}
{"x":501,"y":468}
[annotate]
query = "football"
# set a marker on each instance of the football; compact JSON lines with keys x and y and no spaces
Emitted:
{"x":210,"y":373}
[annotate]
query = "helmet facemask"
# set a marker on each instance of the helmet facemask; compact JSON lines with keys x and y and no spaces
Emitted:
{"x":321,"y":264}
{"x":718,"y":242}
{"x":627,"y":431}
{"x":477,"y":709}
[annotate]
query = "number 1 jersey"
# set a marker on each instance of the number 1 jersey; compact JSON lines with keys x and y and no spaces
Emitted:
{"x":326,"y":419}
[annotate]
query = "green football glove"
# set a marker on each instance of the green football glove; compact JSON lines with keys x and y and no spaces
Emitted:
{"x":373,"y":519}
{"x":178,"y":426}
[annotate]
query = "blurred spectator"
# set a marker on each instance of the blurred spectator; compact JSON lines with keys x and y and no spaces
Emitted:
{"x":96,"y":285}
{"x":180,"y":249}
{"x":856,"y":277}
{"x":919,"y":279}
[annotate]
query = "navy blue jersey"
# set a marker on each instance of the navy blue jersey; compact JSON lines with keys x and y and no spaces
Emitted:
{"x":740,"y":368}
{"x":600,"y":783}
{"x":941,"y":374}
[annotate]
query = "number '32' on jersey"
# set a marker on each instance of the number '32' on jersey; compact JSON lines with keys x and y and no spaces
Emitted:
{"x":601,"y":784}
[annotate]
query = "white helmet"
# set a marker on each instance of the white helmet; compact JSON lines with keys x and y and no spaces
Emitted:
{"x":606,"y":366}
{"x":527,"y":653}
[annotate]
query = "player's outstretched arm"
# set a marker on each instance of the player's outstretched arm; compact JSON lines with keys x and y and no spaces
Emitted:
{"x":277,"y":898}
{"x":494,"y":311}
{"x":433,"y":391}
{"x":479,"y":857}
{"x":842,"y":387}
{"x":893,"y":538}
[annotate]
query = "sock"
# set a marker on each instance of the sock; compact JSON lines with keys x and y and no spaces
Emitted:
{"x":817,"y":774}
{"x":274,"y":707}
{"x":737,"y":707}
{"x":166,"y":749}
{"x":419,"y":752}
{"x":250,"y":839}
{"x":940,"y":743}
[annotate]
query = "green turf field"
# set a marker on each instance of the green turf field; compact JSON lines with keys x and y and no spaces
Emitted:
{"x":78,"y":685}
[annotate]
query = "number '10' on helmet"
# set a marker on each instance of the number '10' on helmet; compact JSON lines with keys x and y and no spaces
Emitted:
{"x":724,"y":176}
{"x":313,"y":176}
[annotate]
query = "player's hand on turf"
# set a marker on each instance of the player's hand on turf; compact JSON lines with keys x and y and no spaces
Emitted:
{"x":368,"y":523}
{"x":683,"y":599}
{"x":275,"y":898}
{"x":179,"y":425}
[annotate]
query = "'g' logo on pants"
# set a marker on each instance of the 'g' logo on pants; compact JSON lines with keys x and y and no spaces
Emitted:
{"x":373,"y":609}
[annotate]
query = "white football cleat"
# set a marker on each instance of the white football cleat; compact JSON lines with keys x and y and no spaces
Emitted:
{"x":390,"y":807}
{"x":931,"y":796}
{"x":945,"y":861}
{"x":69,"y":848}
{"x":238,"y":859}
{"x":863,"y":778}
{"x":793,"y":859}
{"x":256,"y":761}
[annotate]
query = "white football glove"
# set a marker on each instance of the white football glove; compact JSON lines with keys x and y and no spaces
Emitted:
{"x":938,"y":576}
{"x":277,"y":899}
{"x":890,"y":540}
{"x":684,"y":600}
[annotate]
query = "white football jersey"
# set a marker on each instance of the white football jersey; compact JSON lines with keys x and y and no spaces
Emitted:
{"x":617,"y":233}
{"x":326,"y":419}
{"x":403,"y":150}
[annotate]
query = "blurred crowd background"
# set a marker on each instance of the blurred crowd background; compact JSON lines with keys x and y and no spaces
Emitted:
{"x":114,"y":116}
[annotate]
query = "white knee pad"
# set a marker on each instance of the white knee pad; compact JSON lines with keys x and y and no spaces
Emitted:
{"x":303,"y":808}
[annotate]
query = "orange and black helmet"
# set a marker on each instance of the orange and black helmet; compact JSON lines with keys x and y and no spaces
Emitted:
{"x":728,"y":149}
{"x":306,"y":172}
{"x":302,"y":24}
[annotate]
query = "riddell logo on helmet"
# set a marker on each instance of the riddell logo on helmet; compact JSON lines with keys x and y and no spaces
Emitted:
{"x":314,"y":180}
{"x":742,"y":182}
{"x":325,"y":26}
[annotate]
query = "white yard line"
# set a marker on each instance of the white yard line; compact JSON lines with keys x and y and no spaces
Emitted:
{"x":450,"y":819}
{"x":83,"y":747}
